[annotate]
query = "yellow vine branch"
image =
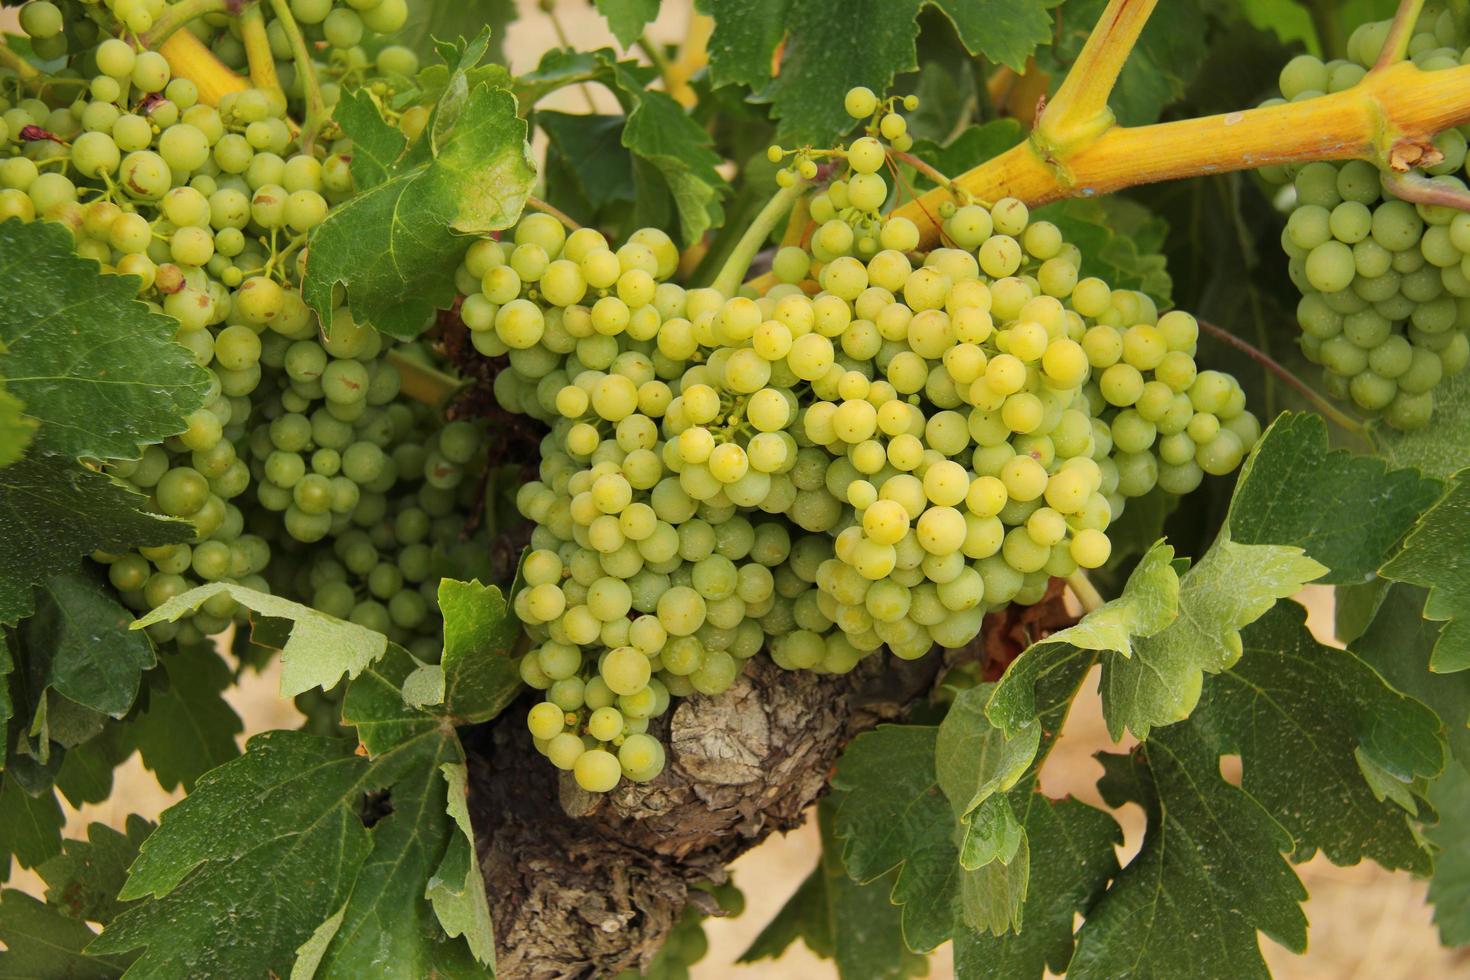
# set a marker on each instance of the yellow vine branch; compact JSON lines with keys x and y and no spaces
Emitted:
{"x":1079,"y":111}
{"x":1391,"y":111}
{"x":1396,"y":45}
{"x":187,"y":57}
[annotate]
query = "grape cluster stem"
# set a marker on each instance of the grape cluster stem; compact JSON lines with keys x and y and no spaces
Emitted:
{"x":1396,"y":45}
{"x":732,"y":273}
{"x":1085,"y":591}
{"x":1323,"y":405}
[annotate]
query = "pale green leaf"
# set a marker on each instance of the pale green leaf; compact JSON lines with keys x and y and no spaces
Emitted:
{"x":627,"y":18}
{"x":320,"y":648}
{"x":480,"y":678}
{"x":974,"y":758}
{"x":457,"y":888}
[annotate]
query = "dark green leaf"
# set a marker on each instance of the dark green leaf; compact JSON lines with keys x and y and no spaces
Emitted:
{"x":387,"y":909}
{"x":627,"y":18}
{"x":376,"y":145}
{"x":319,"y":649}
{"x":480,"y":678}
{"x":101,"y":372}
{"x":1343,"y":510}
{"x":244,"y":869}
{"x":84,"y":879}
{"x":447,"y":21}
{"x":42,"y":944}
{"x":30,"y":826}
{"x":805,"y":916}
{"x":187,"y":728}
{"x":395,"y":246}
{"x":1434,"y":557}
{"x":1398,"y":644}
{"x":1210,"y":873}
{"x":744,"y":40}
{"x":591,"y":148}
{"x":894,"y":815}
{"x":1298,"y":713}
{"x":970,"y":148}
{"x":78,"y":643}
{"x":53,"y":511}
{"x":1072,"y":859}
{"x":457,"y":887}
{"x":375,"y":705}
{"x":1449,"y":889}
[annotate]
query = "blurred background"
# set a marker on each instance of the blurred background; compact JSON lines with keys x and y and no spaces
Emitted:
{"x":1365,"y":922}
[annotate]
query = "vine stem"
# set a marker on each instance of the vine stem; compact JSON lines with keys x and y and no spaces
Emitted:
{"x":1396,"y":45}
{"x":549,"y":7}
{"x":1393,"y":106}
{"x":1281,"y":371}
{"x":258,"y":53}
{"x":1085,"y":591}
{"x":316,"y":107}
{"x":923,"y":167}
{"x":1418,"y":189}
{"x":1079,"y":111}
{"x":24,"y":70}
{"x":187,"y":57}
{"x":176,"y":15}
{"x":567,"y":221}
{"x":421,"y":382}
{"x":732,"y":273}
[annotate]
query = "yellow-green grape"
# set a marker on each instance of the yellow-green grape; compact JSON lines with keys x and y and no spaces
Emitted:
{"x":860,"y":102}
{"x":597,"y":770}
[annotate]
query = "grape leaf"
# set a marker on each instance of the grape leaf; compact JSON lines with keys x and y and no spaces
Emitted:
{"x":1209,"y":874}
{"x":591,"y":148}
{"x":16,"y":427}
{"x":1072,"y":859}
{"x":89,"y":361}
{"x":627,"y":18}
{"x":1159,"y":68}
{"x":53,"y":511}
{"x":1298,"y":713}
{"x":376,"y":145}
{"x":187,"y":728}
{"x":992,"y":894}
{"x":387,"y":908}
{"x":243,"y":869}
{"x":1231,"y":586}
{"x":1434,"y":557}
{"x":970,"y":148}
{"x":41,"y":942}
{"x":1440,"y":449}
{"x":319,"y":649}
{"x":7,"y":705}
{"x":457,"y":887}
{"x":446,"y":21}
{"x":1398,"y":643}
{"x":875,"y":42}
{"x":1287,"y":19}
{"x":1148,"y":604}
{"x":894,"y":815}
{"x":1345,"y":511}
{"x":376,"y":707}
{"x":1449,"y":889}
{"x":480,"y":678}
{"x":396,"y":245}
{"x":1121,"y":241}
{"x":84,"y":879}
{"x":839,"y":919}
{"x":77,"y":643}
{"x":974,"y":758}
{"x":30,"y":826}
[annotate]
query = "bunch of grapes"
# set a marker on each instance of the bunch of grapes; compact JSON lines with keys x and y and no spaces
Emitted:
{"x":1385,"y":284}
{"x":304,"y":438}
{"x":924,"y":439}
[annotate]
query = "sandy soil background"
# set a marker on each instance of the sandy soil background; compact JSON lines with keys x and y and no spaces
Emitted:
{"x":1366,"y":923}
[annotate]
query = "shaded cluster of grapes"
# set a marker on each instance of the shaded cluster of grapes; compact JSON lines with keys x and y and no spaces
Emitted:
{"x":304,"y":438}
{"x":820,"y":476}
{"x":1385,"y":283}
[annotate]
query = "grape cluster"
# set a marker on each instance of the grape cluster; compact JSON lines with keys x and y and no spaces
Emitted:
{"x":304,"y":438}
{"x":879,"y":463}
{"x":1385,"y":283}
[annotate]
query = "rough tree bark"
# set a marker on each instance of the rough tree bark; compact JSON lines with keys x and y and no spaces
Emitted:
{"x":585,"y":886}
